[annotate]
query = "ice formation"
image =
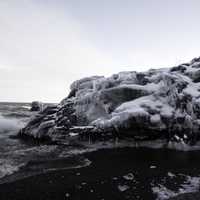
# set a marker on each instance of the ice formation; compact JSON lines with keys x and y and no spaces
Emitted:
{"x":159,"y":103}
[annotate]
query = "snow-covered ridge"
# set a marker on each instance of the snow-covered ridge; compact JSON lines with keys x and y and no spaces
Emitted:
{"x":161,"y":103}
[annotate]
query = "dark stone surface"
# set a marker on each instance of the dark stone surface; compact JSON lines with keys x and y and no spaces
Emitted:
{"x":36,"y":106}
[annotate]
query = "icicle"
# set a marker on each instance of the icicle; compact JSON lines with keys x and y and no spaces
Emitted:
{"x":94,"y":85}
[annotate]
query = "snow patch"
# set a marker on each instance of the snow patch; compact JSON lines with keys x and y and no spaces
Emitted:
{"x":153,"y":167}
{"x":123,"y":188}
{"x":8,"y":167}
{"x":129,"y":177}
{"x":171,"y":175}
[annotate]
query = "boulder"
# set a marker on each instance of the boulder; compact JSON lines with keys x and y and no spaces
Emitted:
{"x":36,"y":106}
{"x":159,"y":103}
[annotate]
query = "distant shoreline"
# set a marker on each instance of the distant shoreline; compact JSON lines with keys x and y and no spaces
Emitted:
{"x":18,"y":102}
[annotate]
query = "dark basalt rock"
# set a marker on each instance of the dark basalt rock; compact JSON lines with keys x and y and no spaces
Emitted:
{"x":180,"y":68}
{"x":36,"y":106}
{"x":41,"y":123}
{"x":161,"y":103}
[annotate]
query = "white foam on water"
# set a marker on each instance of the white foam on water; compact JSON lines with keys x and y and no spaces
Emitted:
{"x":15,"y":159}
{"x":37,"y":150}
{"x":27,"y":107}
{"x":12,"y":160}
{"x":128,"y":177}
{"x":86,"y":163}
{"x":7,"y":124}
{"x":123,"y":188}
{"x":190,"y":185}
{"x":171,"y":175}
{"x":8,"y":167}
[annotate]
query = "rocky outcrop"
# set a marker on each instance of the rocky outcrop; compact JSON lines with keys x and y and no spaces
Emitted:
{"x":40,"y":125}
{"x":160,"y":103}
{"x":36,"y":106}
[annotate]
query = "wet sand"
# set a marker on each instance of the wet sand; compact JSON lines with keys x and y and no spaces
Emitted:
{"x":104,"y":178}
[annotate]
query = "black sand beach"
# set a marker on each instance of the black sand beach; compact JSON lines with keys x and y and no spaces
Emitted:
{"x":105,"y":177}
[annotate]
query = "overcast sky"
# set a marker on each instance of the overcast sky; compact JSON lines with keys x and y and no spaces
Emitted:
{"x":47,"y":44}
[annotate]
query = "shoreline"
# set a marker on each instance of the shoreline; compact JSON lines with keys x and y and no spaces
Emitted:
{"x":101,"y":179}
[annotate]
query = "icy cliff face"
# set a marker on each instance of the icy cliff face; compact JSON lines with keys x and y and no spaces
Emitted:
{"x":163,"y":103}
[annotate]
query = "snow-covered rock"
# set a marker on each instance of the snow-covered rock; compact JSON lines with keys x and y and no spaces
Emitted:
{"x":159,"y":103}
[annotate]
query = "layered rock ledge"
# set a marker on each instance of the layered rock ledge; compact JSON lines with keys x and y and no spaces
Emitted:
{"x":159,"y":103}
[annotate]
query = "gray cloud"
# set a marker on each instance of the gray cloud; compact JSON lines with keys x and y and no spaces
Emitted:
{"x":45,"y":45}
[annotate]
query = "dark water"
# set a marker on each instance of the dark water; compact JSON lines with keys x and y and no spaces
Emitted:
{"x":20,"y":156}
{"x":142,"y":173}
{"x":163,"y":173}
